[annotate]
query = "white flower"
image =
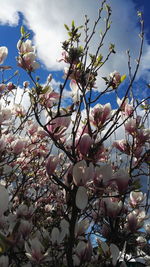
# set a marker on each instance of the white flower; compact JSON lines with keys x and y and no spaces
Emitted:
{"x":81,"y":198}
{"x":104,"y":173}
{"x":2,"y":144}
{"x":55,"y":236}
{"x":141,"y":241}
{"x":75,"y":93}
{"x":136,"y":197}
{"x":25,"y":47}
{"x":147,"y":228}
{"x":81,"y":227}
{"x":35,"y":251}
{"x":82,"y":173}
{"x":3,"y":53}
{"x":4,"y":261}
{"x":5,"y":114}
{"x":4,"y":199}
{"x":115,"y":253}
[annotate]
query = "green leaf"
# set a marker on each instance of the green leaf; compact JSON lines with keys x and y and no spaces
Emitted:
{"x":123,"y":77}
{"x":99,"y":58}
{"x":27,"y":35}
{"x":22,"y":30}
{"x":73,"y":26}
{"x":112,"y":48}
{"x":139,"y":13}
{"x":67,"y":28}
{"x":80,"y":27}
{"x":108,"y":8}
{"x":105,"y":79}
{"x":45,"y":90}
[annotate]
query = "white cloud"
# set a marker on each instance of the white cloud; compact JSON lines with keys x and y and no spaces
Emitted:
{"x":46,"y":19}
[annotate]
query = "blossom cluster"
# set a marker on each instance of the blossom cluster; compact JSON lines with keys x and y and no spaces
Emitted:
{"x":66,"y":178}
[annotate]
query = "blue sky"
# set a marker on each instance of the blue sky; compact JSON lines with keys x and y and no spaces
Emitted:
{"x":45,"y":19}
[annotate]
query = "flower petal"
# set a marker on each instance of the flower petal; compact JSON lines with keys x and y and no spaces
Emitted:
{"x":81,"y":198}
{"x":4,"y":199}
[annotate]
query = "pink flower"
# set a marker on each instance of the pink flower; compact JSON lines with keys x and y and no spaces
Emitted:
{"x":143,"y":135}
{"x":147,"y":228}
{"x":115,"y":79}
{"x":103,"y":175}
{"x":25,"y":228}
{"x":18,"y":146}
{"x":33,"y":129}
{"x":51,"y":164}
{"x":141,"y":241}
{"x":3,"y":53}
{"x":50,"y":98}
{"x":81,"y":198}
{"x":135,"y":220}
{"x":2,"y":87}
{"x":101,"y":114}
{"x":128,"y":110}
{"x":4,"y":199}
{"x":49,"y":78}
{"x":81,"y":227}
{"x":137,"y":150}
{"x":111,"y":207}
{"x":19,"y":110}
{"x":27,"y":61}
{"x":5,"y":115}
{"x":132,"y":223}
{"x":122,"y":103}
{"x":10,"y":86}
{"x":122,"y":145}
{"x":85,"y":144}
{"x":75,"y":91}
{"x":121,"y":178}
{"x":35,"y":251}
{"x":82,"y":173}
{"x":4,"y":261}
{"x":58,"y":126}
{"x":26,"y":84}
{"x":25,"y":211}
{"x":25,"y":47}
{"x":65,"y":57}
{"x":2,"y":145}
{"x":84,"y":251}
{"x":132,"y":125}
{"x":100,"y":154}
{"x":136,"y":198}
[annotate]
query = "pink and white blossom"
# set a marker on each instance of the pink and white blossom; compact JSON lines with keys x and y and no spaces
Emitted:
{"x":81,"y":198}
{"x":3,"y":53}
{"x":100,"y":114}
{"x":4,"y":199}
{"x":25,"y":47}
{"x":82,"y":173}
{"x":35,"y":251}
{"x":28,"y":62}
{"x":51,"y":164}
{"x":84,"y":144}
{"x":136,"y":198}
{"x":122,"y":145}
{"x":111,"y":207}
{"x":58,"y":126}
{"x":4,"y":261}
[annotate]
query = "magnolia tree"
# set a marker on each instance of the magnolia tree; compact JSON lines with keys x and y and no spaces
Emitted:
{"x":70,"y":191}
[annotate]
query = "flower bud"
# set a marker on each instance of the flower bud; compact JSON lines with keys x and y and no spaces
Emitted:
{"x":3,"y":53}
